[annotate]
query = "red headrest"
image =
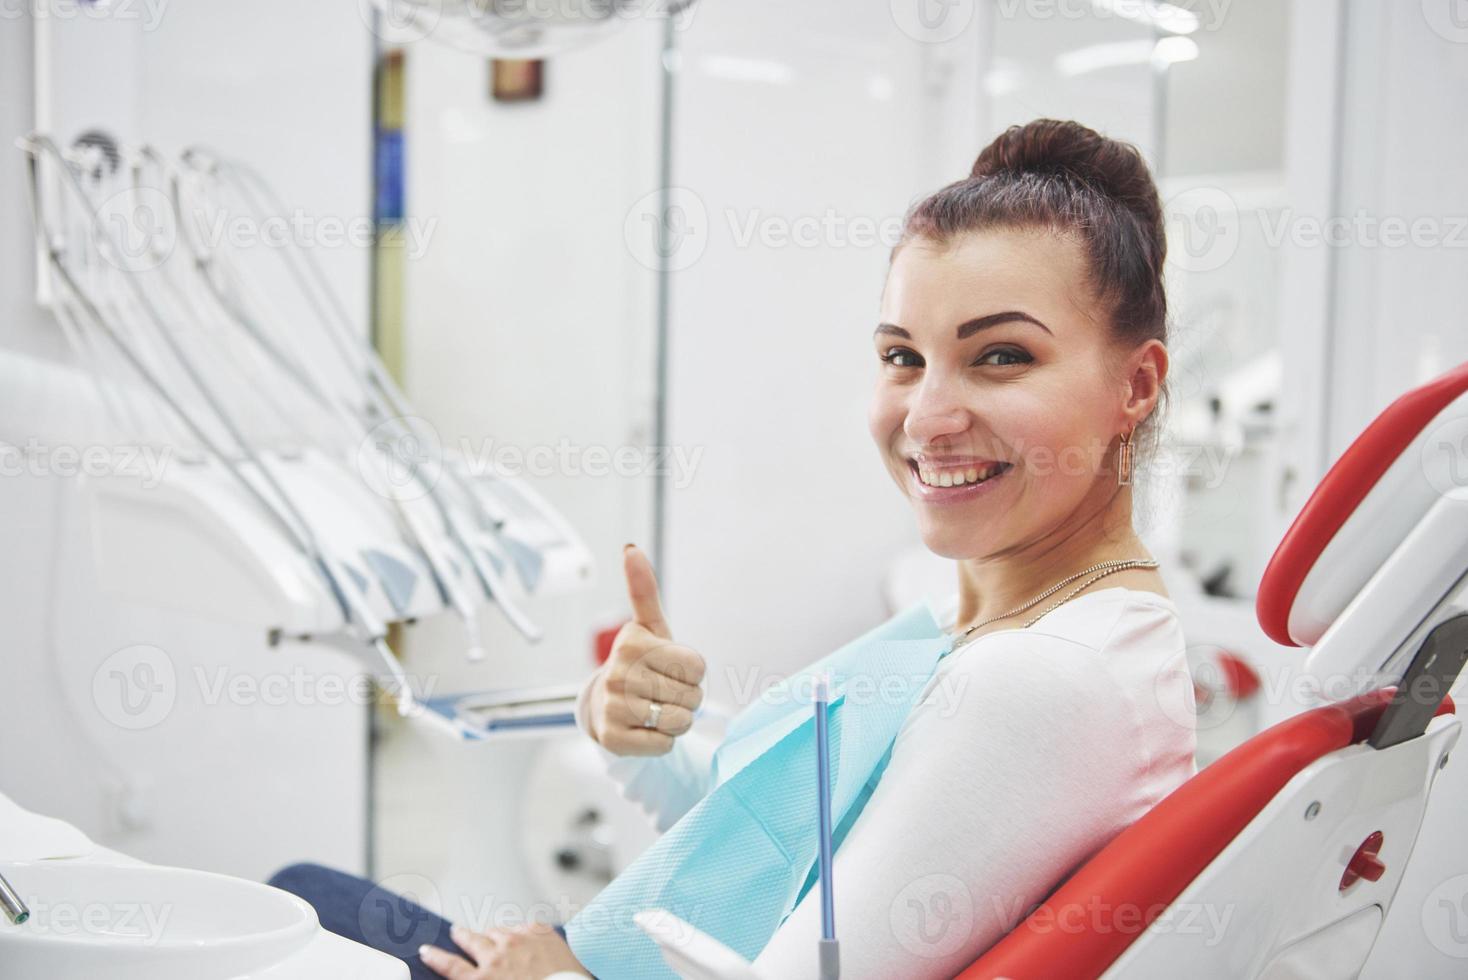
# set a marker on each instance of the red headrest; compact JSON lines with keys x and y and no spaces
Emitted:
{"x":1341,"y":491}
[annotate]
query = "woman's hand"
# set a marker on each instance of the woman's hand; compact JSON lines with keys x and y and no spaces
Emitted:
{"x":529,"y":952}
{"x":645,"y":666}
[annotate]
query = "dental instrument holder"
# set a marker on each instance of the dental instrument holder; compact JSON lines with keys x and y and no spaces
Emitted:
{"x":367,"y":631}
{"x":829,"y":948}
{"x":213,"y":273}
{"x":385,"y":403}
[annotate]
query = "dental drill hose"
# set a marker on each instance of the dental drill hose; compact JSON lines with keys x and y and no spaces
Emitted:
{"x":382,"y":393}
{"x":352,"y":604}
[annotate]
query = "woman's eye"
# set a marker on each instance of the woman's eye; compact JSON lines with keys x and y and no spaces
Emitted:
{"x":902,"y":357}
{"x":896,"y":356}
{"x":1018,"y":357}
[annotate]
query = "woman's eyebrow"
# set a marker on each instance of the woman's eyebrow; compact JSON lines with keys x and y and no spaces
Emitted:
{"x":973,"y":326}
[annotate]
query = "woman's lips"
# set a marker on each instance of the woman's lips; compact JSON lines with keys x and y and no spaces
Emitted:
{"x":951,"y":495}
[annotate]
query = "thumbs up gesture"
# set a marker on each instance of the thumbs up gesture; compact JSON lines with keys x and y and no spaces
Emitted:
{"x":645,"y":694}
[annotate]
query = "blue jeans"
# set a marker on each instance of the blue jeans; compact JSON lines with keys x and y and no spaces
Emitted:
{"x":359,"y":910}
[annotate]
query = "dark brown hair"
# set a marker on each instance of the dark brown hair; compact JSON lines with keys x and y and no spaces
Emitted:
{"x":1068,"y":178}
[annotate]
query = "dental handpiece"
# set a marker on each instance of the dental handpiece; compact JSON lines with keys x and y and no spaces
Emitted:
{"x":15,"y":909}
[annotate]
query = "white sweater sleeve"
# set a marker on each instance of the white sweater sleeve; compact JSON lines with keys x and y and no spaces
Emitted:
{"x":665,"y":786}
{"x":1020,"y":761}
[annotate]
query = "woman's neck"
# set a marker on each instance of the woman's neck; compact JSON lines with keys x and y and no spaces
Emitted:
{"x":991,"y":586}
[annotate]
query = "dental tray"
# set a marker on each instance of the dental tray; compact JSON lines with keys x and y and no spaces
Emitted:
{"x":523,"y":710}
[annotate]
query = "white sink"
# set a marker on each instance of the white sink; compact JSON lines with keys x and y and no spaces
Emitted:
{"x":146,"y":922}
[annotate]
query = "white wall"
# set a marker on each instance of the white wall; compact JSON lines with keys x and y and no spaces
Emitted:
{"x":776,"y":550}
{"x":1399,"y":305}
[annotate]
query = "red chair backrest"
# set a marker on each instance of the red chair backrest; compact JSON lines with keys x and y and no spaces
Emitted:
{"x":1081,"y":929}
{"x":1341,"y":491}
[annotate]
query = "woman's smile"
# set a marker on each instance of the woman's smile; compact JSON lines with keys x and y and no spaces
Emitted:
{"x":936,"y":481}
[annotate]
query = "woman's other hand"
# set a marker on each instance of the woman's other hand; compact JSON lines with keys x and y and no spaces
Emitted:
{"x":529,"y":952}
{"x":645,"y":666}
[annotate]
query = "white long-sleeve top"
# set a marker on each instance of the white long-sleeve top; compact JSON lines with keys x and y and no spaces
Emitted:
{"x":1028,"y":750}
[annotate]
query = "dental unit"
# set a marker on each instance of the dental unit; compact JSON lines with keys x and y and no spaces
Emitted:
{"x":257,"y":525}
{"x":261,"y":481}
{"x":101,"y":913}
{"x":357,"y":380}
{"x":379,"y":403}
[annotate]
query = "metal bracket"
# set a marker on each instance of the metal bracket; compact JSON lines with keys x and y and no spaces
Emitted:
{"x":1427,"y":680}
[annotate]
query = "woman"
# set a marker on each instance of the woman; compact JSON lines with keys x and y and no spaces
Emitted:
{"x":1021,"y":358}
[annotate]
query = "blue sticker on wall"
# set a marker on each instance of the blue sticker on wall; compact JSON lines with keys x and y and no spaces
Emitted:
{"x":389,"y":201}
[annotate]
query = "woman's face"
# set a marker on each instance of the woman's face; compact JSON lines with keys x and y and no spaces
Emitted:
{"x":993,"y":353}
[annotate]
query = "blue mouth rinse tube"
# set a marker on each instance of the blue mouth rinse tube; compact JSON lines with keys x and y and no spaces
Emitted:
{"x":830,"y":950}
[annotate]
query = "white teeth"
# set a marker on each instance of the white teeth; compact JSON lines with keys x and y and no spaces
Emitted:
{"x":934,"y":478}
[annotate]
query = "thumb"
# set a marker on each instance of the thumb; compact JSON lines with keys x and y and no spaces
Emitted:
{"x":642,"y":589}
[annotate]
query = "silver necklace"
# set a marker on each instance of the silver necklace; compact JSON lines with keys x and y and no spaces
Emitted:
{"x":1105,"y":568}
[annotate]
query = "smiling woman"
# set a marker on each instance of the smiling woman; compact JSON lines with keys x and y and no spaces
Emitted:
{"x":1022,"y":345}
{"x":1021,"y":342}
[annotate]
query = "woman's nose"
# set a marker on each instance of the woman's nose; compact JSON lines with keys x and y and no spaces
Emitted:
{"x":934,"y":412}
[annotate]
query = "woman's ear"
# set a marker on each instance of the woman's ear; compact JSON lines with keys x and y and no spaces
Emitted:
{"x":1146,"y":372}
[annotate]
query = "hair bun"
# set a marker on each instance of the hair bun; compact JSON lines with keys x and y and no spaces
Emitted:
{"x":1064,"y":147}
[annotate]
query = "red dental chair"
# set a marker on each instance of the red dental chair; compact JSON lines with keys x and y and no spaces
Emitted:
{"x":1298,"y":839}
{"x":1281,"y":860}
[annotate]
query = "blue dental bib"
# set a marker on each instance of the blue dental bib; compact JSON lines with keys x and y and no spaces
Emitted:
{"x":736,"y":864}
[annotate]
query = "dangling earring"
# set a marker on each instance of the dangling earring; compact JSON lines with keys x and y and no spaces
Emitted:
{"x":1124,"y":460}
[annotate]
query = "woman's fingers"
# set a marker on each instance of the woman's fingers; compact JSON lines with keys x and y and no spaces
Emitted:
{"x":644,"y":682}
{"x":682,"y":664}
{"x":446,"y":964}
{"x":477,"y":944}
{"x":645,"y":666}
{"x":640,"y":741}
{"x":642,"y":590}
{"x":673,"y":719}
